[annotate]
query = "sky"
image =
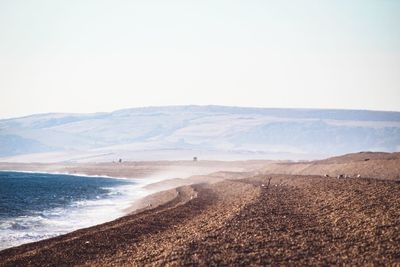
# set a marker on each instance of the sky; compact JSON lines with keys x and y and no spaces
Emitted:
{"x":94,"y":55}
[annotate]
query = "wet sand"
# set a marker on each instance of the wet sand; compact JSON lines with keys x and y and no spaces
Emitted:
{"x":245,"y":218}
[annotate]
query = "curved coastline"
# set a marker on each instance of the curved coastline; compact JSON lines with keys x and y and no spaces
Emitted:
{"x":129,"y":195}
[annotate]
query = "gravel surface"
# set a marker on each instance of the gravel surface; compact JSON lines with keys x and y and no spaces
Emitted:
{"x":261,"y":220}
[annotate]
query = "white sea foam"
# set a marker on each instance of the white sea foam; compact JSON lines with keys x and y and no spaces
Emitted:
{"x":80,"y":214}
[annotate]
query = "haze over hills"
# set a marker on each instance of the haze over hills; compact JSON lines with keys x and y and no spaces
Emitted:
{"x":212,"y":132}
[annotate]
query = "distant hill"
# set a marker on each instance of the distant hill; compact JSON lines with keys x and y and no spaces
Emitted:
{"x":181,"y":132}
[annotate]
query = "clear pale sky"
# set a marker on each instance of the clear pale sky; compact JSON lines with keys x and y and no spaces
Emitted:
{"x":89,"y":56}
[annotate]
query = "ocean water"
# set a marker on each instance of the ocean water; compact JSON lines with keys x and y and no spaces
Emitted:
{"x":35,"y":206}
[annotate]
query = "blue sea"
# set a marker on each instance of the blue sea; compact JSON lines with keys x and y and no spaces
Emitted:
{"x":35,"y":206}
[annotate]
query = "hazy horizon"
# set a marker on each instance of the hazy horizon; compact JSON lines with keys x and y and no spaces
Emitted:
{"x":194,"y":105}
{"x":210,"y":132}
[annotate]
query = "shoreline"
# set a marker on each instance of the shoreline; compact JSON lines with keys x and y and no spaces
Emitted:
{"x":159,"y":190}
{"x":152,"y":185}
{"x":123,"y":206}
